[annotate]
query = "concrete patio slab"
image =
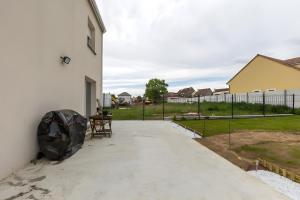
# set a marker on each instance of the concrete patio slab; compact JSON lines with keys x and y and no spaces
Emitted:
{"x":142,"y":160}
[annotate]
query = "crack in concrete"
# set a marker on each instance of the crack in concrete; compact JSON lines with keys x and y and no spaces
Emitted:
{"x":32,"y":197}
{"x":37,"y":179}
{"x":19,"y":195}
{"x":44,"y":191}
{"x":32,"y":188}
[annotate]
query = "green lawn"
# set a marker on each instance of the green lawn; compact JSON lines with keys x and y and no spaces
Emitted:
{"x":216,"y":127}
{"x":206,"y":108}
{"x":281,"y":153}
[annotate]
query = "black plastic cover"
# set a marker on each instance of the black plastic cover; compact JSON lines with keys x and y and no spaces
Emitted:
{"x":61,"y":134}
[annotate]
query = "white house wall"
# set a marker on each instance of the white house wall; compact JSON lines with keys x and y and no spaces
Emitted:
{"x":34,"y":35}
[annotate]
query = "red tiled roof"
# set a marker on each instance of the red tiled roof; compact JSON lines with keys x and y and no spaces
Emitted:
{"x":171,"y":94}
{"x":186,"y":92}
{"x":222,"y":90}
{"x":203,"y":92}
{"x":293,"y":61}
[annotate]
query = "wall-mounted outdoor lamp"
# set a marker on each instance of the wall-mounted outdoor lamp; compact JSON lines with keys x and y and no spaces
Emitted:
{"x":65,"y":60}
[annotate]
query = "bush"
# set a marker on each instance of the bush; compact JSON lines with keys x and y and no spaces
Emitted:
{"x":297,"y":111}
{"x":183,"y":118}
{"x":245,"y":106}
{"x":213,"y":108}
{"x":174,"y":118}
{"x":280,"y":109}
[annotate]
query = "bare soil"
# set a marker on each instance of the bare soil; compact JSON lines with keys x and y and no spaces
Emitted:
{"x":280,"y":148}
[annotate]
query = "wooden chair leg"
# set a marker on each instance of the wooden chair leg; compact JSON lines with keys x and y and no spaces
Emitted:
{"x":110,"y":131}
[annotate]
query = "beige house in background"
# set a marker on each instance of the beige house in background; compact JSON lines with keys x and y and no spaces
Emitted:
{"x":125,"y":97}
{"x":264,"y":73}
{"x":35,"y":36}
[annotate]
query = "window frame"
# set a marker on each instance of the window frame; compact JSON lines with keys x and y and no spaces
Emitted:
{"x":91,"y":39}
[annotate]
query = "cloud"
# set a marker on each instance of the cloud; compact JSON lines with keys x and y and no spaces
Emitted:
{"x":190,"y":42}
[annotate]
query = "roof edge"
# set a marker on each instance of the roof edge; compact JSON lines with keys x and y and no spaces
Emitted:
{"x":97,"y":14}
{"x":242,"y":68}
{"x":125,"y":94}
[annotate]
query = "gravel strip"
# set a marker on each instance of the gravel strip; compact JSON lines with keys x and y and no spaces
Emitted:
{"x":184,"y":131}
{"x":284,"y":185}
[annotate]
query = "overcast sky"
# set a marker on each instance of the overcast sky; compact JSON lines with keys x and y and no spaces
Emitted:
{"x":192,"y":42}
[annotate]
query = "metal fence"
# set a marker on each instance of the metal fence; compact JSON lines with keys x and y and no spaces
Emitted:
{"x":271,"y":98}
{"x":212,"y":107}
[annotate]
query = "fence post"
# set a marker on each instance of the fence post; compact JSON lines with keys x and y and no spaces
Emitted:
{"x":293,"y":103}
{"x":199,"y":106}
{"x":285,"y":97}
{"x":232,"y":106}
{"x":204,"y":126}
{"x":224,"y":97}
{"x":229,"y":134}
{"x":264,"y":104}
{"x":143,"y":108}
{"x":247,"y":97}
{"x":163,"y":107}
{"x":103,"y":101}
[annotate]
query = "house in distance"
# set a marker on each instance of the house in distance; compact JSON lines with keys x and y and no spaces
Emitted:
{"x":221,"y":91}
{"x":203,"y":92}
{"x":186,"y":92}
{"x":124,"y":98}
{"x":264,"y":74}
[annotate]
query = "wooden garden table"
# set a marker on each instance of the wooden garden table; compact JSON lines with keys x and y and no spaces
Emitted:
{"x":98,"y":123}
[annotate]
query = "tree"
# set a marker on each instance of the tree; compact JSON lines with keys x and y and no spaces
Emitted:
{"x":113,"y":96}
{"x":139,"y":99}
{"x":155,"y":88}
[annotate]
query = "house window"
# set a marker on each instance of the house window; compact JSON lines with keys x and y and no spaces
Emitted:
{"x":256,"y":91}
{"x":91,"y":36}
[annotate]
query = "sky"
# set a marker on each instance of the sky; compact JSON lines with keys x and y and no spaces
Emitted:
{"x":192,"y":43}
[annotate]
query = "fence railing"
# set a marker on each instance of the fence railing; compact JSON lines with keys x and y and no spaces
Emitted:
{"x":285,"y":99}
{"x":225,"y":106}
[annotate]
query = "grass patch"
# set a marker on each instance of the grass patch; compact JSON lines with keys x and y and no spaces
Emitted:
{"x":295,"y":153}
{"x":251,"y":148}
{"x":279,"y":141}
{"x":216,"y":127}
{"x":284,"y":154}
